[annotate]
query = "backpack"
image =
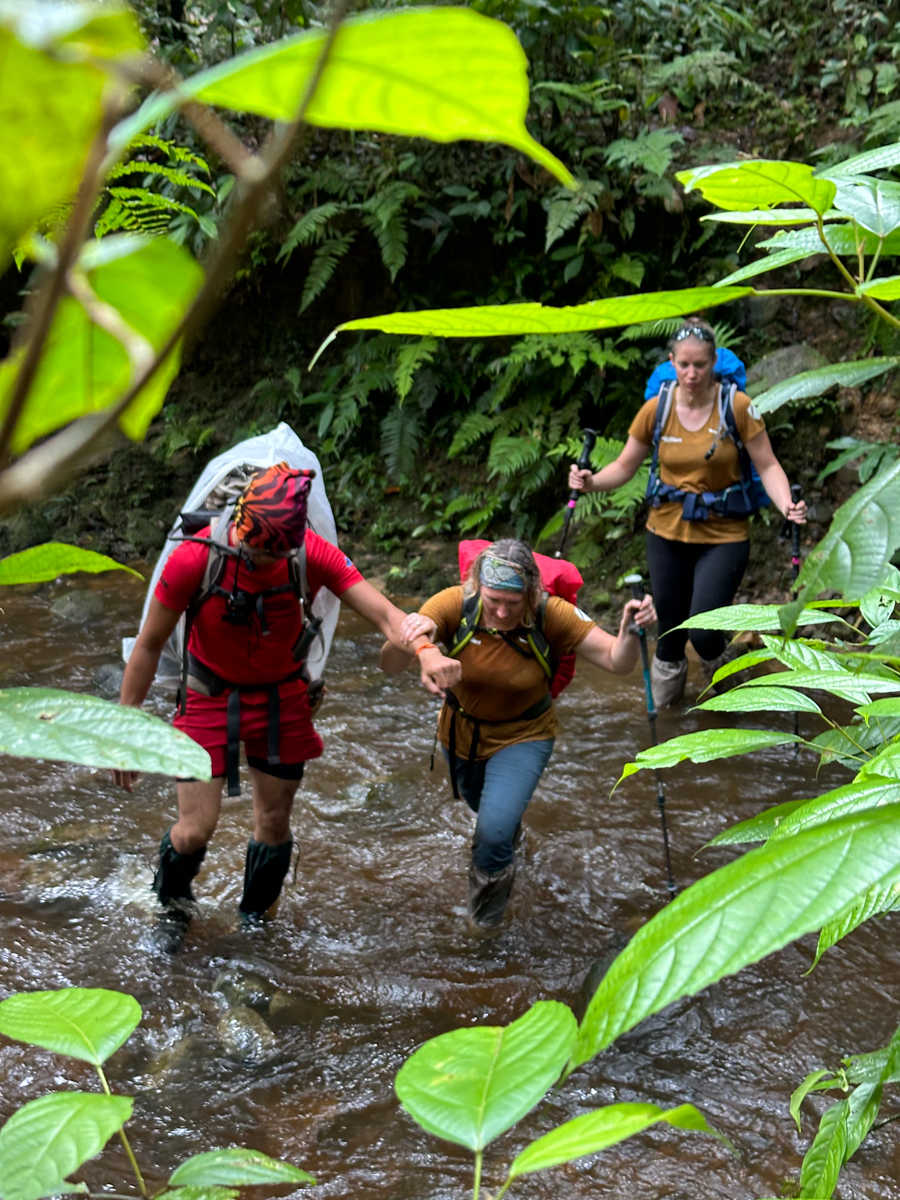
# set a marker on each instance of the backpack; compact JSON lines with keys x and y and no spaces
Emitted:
{"x":560,"y":578}
{"x":740,"y":499}
{"x":211,"y":502}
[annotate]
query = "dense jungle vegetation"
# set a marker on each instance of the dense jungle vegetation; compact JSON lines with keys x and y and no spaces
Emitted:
{"x":425,"y":439}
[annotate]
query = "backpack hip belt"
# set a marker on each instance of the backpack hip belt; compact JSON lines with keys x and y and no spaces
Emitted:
{"x":450,"y":699}
{"x":203,"y":679}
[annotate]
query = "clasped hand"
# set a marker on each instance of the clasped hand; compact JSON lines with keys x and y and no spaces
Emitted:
{"x":438,"y":672}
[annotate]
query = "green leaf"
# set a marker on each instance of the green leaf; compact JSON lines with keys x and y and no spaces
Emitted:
{"x":235,"y":1167}
{"x":773,"y":262}
{"x":877,"y":900}
{"x":764,"y":216}
{"x":595,"y":1131}
{"x":71,"y":727}
{"x":760,"y":183}
{"x":855,"y":797}
{"x":758,"y":828}
{"x":760,"y":699}
{"x":815,"y":383}
{"x":443,"y":74}
{"x":85,"y":369}
{"x":880,"y":159}
{"x":51,"y":100}
{"x":740,"y":913}
{"x":873,"y":204}
{"x":848,"y":684}
{"x":47,"y":1139}
{"x":825,"y":1157}
{"x":742,"y":618}
{"x":53,"y":559}
{"x":705,"y":745}
{"x":862,"y":537}
{"x":885,"y":763}
{"x":498,"y":320}
{"x":888,"y":706}
{"x":470,"y":1085}
{"x":86,"y":1023}
{"x":886,"y":288}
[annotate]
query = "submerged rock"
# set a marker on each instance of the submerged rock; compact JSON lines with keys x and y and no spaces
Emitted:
{"x":246,"y":1036}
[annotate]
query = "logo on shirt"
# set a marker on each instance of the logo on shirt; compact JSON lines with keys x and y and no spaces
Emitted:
{"x":669,"y":438}
{"x":581,"y":614}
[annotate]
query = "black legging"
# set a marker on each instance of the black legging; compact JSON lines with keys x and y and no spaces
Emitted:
{"x":688,"y":578}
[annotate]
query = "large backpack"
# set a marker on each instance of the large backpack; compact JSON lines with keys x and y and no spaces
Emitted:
{"x":211,"y":502}
{"x":560,"y":578}
{"x":740,"y":499}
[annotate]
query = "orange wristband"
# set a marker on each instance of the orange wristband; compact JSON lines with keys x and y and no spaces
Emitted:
{"x":426,"y":646}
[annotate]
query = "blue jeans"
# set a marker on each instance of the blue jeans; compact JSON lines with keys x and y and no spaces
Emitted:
{"x":498,"y":789}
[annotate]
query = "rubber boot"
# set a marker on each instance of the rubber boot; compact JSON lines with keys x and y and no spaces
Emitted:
{"x":667,"y":681}
{"x":172,"y":883}
{"x":264,"y":871}
{"x":488,"y":894}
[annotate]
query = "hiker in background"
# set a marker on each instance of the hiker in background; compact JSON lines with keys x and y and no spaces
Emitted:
{"x":497,"y":724}
{"x":697,"y":527}
{"x":244,"y":681}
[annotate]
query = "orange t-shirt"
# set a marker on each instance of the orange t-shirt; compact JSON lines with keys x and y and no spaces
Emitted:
{"x":683,"y":465}
{"x":499,"y":682}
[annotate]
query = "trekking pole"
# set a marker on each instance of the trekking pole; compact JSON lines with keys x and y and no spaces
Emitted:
{"x":584,"y":462}
{"x":796,"y":495}
{"x":637,"y":591}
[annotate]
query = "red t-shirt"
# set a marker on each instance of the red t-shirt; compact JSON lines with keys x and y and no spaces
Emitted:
{"x":260,"y":651}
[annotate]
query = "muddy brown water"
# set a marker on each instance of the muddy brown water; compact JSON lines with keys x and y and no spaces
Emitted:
{"x":370,"y":954}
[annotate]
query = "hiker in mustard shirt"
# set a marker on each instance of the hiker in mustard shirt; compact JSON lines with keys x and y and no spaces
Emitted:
{"x":697,"y":527}
{"x":498,"y":723}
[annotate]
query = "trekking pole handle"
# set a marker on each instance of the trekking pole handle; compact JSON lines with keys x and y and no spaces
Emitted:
{"x":584,"y":463}
{"x":796,"y":497}
{"x":636,"y":583}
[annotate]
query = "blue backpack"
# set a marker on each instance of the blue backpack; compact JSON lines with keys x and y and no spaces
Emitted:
{"x":740,"y":499}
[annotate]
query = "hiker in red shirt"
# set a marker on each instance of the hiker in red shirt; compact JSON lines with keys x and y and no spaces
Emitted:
{"x":244,"y":680}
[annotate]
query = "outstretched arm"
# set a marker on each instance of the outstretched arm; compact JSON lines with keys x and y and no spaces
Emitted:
{"x":141,"y":667}
{"x":774,"y":479}
{"x":614,"y":474}
{"x":438,"y":672}
{"x":619,"y":654}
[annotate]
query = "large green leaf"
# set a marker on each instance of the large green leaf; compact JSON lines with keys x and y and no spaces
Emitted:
{"x":45,"y":1140}
{"x":843,"y":238}
{"x":51,"y":100}
{"x":85,"y":369}
{"x":441,"y":73}
{"x":760,"y":183}
{"x":877,"y":900}
{"x":595,"y":1131}
{"x":740,"y":618}
{"x":86,"y":1023}
{"x":862,"y":538}
{"x":763,"y":216}
{"x":741,"y":912}
{"x":470,"y":1085}
{"x":761,"y":699}
{"x":885,"y":288}
{"x":758,"y":828}
{"x":848,"y":684}
{"x":53,"y":559}
{"x":880,"y":159}
{"x":817,"y":382}
{"x":236,"y":1167}
{"x":496,"y":320}
{"x":72,"y":727}
{"x":705,"y":745}
{"x":886,"y":763}
{"x":873,"y":204}
{"x":839,"y":802}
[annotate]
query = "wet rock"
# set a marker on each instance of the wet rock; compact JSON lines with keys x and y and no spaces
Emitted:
{"x":240,"y":987}
{"x":289,"y":1008}
{"x":79,"y":605}
{"x":177,"y":1058}
{"x":108,"y":680}
{"x":246,"y":1036}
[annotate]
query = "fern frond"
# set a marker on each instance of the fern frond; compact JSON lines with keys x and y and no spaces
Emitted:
{"x":650,"y":152}
{"x":409,"y":359}
{"x":478,"y":521}
{"x":512,"y":455}
{"x":179,"y":153}
{"x":383,"y":215}
{"x":401,"y":437}
{"x":156,"y":171}
{"x":475,"y":425}
{"x":565,"y":208}
{"x":309,"y":229}
{"x":323,"y":266}
{"x":136,"y":210}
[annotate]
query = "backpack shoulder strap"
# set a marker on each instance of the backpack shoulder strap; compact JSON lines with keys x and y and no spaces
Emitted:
{"x":663,"y":408}
{"x":727,"y":419}
{"x":471,"y":614}
{"x":537,"y":639}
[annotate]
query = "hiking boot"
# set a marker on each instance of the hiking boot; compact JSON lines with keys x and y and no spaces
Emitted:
{"x":171,"y":926}
{"x":488,"y":895}
{"x":172,"y":883}
{"x":264,"y":870}
{"x":667,"y":681}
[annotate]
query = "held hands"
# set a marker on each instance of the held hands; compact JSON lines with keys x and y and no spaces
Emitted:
{"x":580,"y":478}
{"x":438,"y":673}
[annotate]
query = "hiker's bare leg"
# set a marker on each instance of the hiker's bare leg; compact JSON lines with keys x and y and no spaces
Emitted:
{"x":199,"y":803}
{"x":273,"y":800}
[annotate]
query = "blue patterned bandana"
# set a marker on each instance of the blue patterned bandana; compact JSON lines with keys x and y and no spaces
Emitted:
{"x":501,"y":573}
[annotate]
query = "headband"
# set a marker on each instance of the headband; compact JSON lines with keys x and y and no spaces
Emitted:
{"x":501,"y":573}
{"x":271,"y":512}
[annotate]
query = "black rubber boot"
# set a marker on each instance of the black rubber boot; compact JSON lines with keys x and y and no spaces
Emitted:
{"x":488,"y":894}
{"x":264,"y":871}
{"x":172,"y":884}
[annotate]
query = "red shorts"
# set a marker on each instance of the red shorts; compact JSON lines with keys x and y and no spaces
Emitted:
{"x":204,"y":720}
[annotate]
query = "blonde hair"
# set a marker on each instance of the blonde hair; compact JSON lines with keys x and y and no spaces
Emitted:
{"x":522,"y":558}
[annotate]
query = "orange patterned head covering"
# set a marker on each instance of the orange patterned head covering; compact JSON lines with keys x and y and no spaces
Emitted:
{"x":271,"y":512}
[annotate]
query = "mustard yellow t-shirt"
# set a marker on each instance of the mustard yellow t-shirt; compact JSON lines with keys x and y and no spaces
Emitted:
{"x":683,"y":465}
{"x":498,"y":683}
